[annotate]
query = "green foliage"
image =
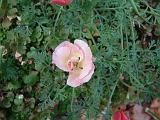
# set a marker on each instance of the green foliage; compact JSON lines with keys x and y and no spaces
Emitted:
{"x":124,"y":38}
{"x":31,"y":79}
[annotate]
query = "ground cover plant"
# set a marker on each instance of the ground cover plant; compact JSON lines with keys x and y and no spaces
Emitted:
{"x":123,"y":35}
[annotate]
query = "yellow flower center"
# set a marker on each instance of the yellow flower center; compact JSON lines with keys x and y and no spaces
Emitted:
{"x":75,"y":64}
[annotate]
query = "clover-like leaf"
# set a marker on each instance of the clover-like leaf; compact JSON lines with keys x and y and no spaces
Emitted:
{"x":18,"y":100}
{"x":31,"y":79}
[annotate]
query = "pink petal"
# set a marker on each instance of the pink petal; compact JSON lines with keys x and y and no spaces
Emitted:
{"x":61,"y":54}
{"x":88,"y":60}
{"x":89,"y":75}
{"x":64,"y":44}
{"x":85,"y":48}
{"x":75,"y":81}
{"x":59,"y":58}
{"x":75,"y":50}
{"x":87,"y":66}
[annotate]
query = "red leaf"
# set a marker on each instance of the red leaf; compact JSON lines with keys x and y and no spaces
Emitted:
{"x":61,"y":2}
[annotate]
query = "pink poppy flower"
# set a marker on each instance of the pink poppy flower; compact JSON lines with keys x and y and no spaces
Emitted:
{"x":76,"y":59}
{"x":120,"y":115}
{"x":61,"y":2}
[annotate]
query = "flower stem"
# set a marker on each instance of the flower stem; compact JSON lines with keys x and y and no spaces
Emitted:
{"x":59,"y":13}
{"x":73,"y":94}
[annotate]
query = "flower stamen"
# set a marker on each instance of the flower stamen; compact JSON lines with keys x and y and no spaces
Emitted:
{"x":81,"y":68}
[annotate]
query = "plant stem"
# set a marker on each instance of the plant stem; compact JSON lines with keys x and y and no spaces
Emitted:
{"x":107,"y":108}
{"x":72,"y":99}
{"x":55,"y":24}
{"x":154,"y":115}
{"x":136,"y":10}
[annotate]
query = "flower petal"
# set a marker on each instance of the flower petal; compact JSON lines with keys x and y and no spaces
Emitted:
{"x":61,"y":2}
{"x":64,"y":44}
{"x":61,"y":54}
{"x":87,"y":60}
{"x":75,"y":81}
{"x":124,"y":117}
{"x":85,"y":48}
{"x":89,"y":75}
{"x":87,"y":66}
{"x":117,"y":116}
{"x":59,"y":58}
{"x":120,"y":115}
